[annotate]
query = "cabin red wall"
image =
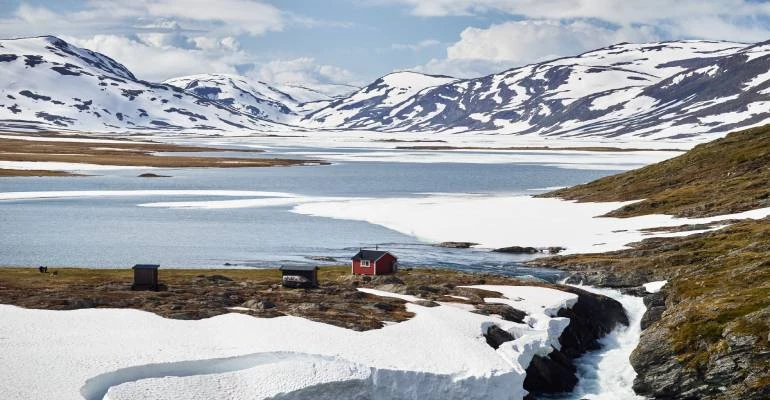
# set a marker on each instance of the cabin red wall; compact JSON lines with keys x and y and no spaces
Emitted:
{"x":384,"y":266}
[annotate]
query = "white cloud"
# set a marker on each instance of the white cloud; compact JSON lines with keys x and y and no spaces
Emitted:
{"x":166,"y":61}
{"x":482,"y":51}
{"x":521,"y":42}
{"x":301,"y":70}
{"x":423,"y":44}
{"x":741,"y":20}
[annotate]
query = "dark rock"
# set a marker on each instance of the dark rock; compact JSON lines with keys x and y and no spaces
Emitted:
{"x":151,"y":175}
{"x":457,"y":245}
{"x":610,"y":279}
{"x":507,"y":312}
{"x":591,"y":318}
{"x":651,"y":316}
{"x":496,"y":336}
{"x":517,"y":250}
{"x":426,"y":303}
{"x":551,"y":374}
{"x":555,"y":250}
{"x":385,"y":307}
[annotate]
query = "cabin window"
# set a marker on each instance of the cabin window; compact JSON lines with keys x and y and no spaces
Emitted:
{"x":365,"y":263}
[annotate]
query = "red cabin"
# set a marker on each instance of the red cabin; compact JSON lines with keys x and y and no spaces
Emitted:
{"x":374,"y":262}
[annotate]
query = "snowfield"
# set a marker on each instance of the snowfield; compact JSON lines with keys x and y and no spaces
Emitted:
{"x":127,"y":354}
{"x":512,"y":220}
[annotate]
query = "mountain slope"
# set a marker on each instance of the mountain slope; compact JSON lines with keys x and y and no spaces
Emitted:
{"x":647,"y":90}
{"x":726,"y":176}
{"x":370,"y":106}
{"x":47,"y":83}
{"x":251,"y":97}
{"x":705,"y":335}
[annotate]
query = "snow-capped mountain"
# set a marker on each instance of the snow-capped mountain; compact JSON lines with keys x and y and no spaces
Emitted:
{"x":658,"y":90}
{"x":47,"y":83}
{"x":374,"y":102}
{"x":251,"y":97}
{"x":282,"y":103}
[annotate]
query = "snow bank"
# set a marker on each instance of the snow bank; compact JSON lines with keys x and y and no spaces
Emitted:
{"x":136,"y":193}
{"x":125,"y":354}
{"x":500,"y":221}
{"x":654,"y":287}
{"x":62,"y":166}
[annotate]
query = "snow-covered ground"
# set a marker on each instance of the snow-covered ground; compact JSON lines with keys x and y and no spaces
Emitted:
{"x":501,"y":221}
{"x":127,"y":354}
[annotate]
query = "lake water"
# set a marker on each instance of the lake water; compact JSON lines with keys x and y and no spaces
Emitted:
{"x":111,"y":232}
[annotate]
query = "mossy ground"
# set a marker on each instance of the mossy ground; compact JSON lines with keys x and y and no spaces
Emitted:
{"x":728,"y":175}
{"x":719,"y":282}
{"x":202,"y":293}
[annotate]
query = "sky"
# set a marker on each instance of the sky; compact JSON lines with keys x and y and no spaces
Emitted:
{"x":357,"y":41}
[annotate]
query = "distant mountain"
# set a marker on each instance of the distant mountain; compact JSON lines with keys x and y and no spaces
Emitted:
{"x":251,"y":97}
{"x":46,"y":83}
{"x":668,"y":89}
{"x":281,"y":103}
{"x":675,"y":89}
{"x":371,"y":105}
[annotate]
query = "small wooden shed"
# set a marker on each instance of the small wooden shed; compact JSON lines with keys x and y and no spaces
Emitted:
{"x":145,"y":277}
{"x":374,"y":262}
{"x":299,"y":276}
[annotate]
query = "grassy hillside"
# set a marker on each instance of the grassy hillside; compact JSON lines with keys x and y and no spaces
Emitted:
{"x":725,"y":176}
{"x":714,"y":335}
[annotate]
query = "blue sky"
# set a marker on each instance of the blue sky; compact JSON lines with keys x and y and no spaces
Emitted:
{"x":356,"y":41}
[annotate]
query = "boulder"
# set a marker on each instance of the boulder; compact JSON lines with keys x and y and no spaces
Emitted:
{"x":496,"y":336}
{"x":553,"y":373}
{"x":517,"y":250}
{"x":507,"y":312}
{"x":591,"y":318}
{"x":457,"y":245}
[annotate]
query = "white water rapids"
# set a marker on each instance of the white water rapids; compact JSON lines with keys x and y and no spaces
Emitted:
{"x":606,"y":374}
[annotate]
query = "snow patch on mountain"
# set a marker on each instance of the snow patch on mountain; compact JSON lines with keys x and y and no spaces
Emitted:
{"x":46,"y":83}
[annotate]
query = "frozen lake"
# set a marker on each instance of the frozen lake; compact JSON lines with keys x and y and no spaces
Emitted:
{"x":82,"y":228}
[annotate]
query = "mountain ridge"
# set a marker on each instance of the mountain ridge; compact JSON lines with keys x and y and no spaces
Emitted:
{"x":691,"y":90}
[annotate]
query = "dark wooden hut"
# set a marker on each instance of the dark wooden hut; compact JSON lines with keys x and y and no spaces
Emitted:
{"x":145,"y":277}
{"x":299,"y":276}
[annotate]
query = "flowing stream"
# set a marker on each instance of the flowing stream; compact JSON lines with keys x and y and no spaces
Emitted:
{"x":607,"y":374}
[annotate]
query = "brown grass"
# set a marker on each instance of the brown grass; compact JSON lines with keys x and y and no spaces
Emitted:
{"x":533,"y":148}
{"x":728,"y":175}
{"x":123,"y":154}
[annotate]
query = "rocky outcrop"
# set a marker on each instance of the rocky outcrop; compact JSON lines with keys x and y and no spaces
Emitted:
{"x":517,"y":250}
{"x":591,"y":318}
{"x":457,"y":245}
{"x":728,"y":373}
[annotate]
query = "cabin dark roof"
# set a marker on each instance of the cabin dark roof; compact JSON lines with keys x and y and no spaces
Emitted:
{"x":371,"y":255}
{"x":146,"y":266}
{"x":298,"y":268}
